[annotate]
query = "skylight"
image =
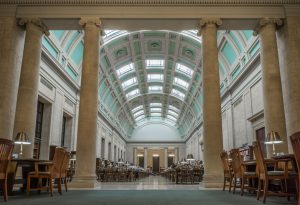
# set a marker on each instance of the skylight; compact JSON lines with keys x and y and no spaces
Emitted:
{"x":129,"y":82}
{"x":155,"y":63}
{"x":178,"y":94}
{"x":155,"y":77}
{"x":173,"y":108}
{"x":155,"y":109}
{"x":125,"y":69}
{"x":155,"y":88}
{"x":184,"y":69}
{"x":180,"y":82}
{"x":140,"y":117}
{"x":138,"y":113}
{"x":171,"y":117}
{"x":137,"y":108}
{"x":172,"y":113}
{"x":133,"y":93}
{"x":155,"y":104}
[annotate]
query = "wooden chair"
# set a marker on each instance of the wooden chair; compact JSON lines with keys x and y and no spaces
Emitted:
{"x":264,"y":176}
{"x":295,"y":140}
{"x":236,"y":165}
{"x":64,"y":170}
{"x":6,"y":148}
{"x":228,"y":174}
{"x":54,"y":172}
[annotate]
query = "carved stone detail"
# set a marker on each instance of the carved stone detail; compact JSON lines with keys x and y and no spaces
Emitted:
{"x":35,"y":21}
{"x":265,"y":21}
{"x":207,"y":21}
{"x":149,"y":2}
{"x":91,"y":21}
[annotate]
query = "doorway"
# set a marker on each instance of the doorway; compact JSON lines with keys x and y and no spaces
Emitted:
{"x":155,"y":164}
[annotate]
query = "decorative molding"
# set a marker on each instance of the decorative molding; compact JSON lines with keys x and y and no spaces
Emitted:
{"x":267,"y":21}
{"x":148,"y":2}
{"x":36,"y":22}
{"x":208,"y":21}
{"x":92,"y":21}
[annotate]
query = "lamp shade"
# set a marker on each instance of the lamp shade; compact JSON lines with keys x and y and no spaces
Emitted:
{"x":22,"y":138}
{"x":273,"y":138}
{"x":190,"y":157}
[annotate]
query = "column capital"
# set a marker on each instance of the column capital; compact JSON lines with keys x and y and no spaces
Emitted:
{"x":36,"y":22}
{"x":267,"y":21}
{"x":91,"y":21}
{"x":209,"y":21}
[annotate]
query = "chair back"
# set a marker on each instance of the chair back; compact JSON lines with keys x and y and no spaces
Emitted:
{"x":261,"y":166}
{"x":295,"y":140}
{"x":65,"y":165}
{"x":6,"y":149}
{"x":58,"y":160}
{"x":225,"y":161}
{"x":236,"y":162}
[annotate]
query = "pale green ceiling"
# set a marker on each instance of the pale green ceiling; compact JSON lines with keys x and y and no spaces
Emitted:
{"x":172,"y":49}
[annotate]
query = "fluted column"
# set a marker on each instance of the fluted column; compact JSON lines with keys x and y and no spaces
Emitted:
{"x":212,"y":121}
{"x":88,"y":111}
{"x":166,"y":157}
{"x":145,"y":157}
{"x":272,"y":91}
{"x":134,"y":156}
{"x":11,"y":52}
{"x":25,"y":119}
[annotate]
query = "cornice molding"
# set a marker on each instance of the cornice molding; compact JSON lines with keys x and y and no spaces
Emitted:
{"x":148,"y":2}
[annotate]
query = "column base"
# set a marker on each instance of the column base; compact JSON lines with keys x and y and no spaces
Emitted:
{"x":212,"y":181}
{"x":84,"y":182}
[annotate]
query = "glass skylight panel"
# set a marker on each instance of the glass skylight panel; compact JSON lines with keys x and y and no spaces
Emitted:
{"x":133,"y":93}
{"x":171,"y":117}
{"x":178,"y":93}
{"x":125,"y":69}
{"x":181,"y":83}
{"x":129,"y":82}
{"x":155,"y":104}
{"x":137,"y":108}
{"x":155,"y":88}
{"x":173,"y":108}
{"x":155,"y":109}
{"x":155,"y":77}
{"x":140,"y":117}
{"x":172,"y":113}
{"x":155,"y":63}
{"x":138,"y":113}
{"x":156,"y":114}
{"x":184,"y":69}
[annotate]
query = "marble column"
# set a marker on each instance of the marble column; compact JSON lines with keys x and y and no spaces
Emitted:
{"x":134,"y":156}
{"x":11,"y":52}
{"x":145,"y":158}
{"x":166,"y":157}
{"x":212,"y":120}
{"x":176,"y":157}
{"x":272,"y":91}
{"x":289,"y":57}
{"x":88,"y":111}
{"x":25,"y":118}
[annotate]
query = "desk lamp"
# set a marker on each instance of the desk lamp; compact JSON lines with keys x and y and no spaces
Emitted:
{"x":273,"y":138}
{"x":21,"y":139}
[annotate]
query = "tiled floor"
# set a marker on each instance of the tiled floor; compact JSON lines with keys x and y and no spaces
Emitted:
{"x":148,"y":183}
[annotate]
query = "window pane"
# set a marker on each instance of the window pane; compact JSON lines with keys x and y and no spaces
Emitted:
{"x":155,"y":77}
{"x":155,"y":63}
{"x":155,"y":114}
{"x":172,"y":113}
{"x":133,"y":93}
{"x":138,"y":113}
{"x":184,"y":69}
{"x":155,"y":104}
{"x":129,"y":82}
{"x":155,"y":88}
{"x":178,"y":94}
{"x":155,"y":109}
{"x":171,"y":117}
{"x":173,"y":108}
{"x":140,"y":117}
{"x":137,"y":108}
{"x":125,"y":69}
{"x":180,"y":82}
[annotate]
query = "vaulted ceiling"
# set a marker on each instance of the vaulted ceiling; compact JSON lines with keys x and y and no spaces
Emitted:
{"x":148,"y":76}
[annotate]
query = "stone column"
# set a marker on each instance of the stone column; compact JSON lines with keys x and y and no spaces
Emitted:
{"x":88,"y":111}
{"x":145,"y":158}
{"x":212,"y":120}
{"x":26,"y":109}
{"x":11,"y":52}
{"x":176,"y":158}
{"x":134,"y":156}
{"x":272,"y":91}
{"x":166,"y":157}
{"x":289,"y":57}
